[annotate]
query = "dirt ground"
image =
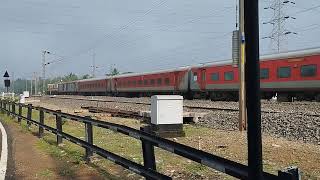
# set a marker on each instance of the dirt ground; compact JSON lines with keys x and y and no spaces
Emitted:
{"x":28,"y":162}
{"x":278,"y":153}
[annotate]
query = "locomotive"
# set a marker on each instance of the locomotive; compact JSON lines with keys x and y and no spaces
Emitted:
{"x":288,"y":76}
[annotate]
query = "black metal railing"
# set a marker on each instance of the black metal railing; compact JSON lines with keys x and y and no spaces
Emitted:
{"x":149,"y":141}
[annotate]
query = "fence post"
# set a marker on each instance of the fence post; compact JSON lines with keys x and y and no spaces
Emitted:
{"x":41,"y":121}
{"x":149,"y":160}
{"x":89,"y":139}
{"x":29,"y":115}
{"x":8,"y":107}
{"x":1,"y":103}
{"x":20,"y":113}
{"x":290,"y":173}
{"x":59,"y":127}
{"x":14,"y":109}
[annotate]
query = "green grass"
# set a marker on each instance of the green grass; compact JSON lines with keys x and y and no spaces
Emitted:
{"x":117,"y":143}
{"x":46,"y":174}
{"x":124,"y":146}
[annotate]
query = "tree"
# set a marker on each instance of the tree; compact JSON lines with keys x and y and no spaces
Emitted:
{"x":70,"y":77}
{"x":114,"y":71}
{"x":86,"y":76}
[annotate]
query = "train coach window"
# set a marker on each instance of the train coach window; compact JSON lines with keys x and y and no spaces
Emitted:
{"x":140,"y":82}
{"x":228,"y":76}
{"x":284,"y":72}
{"x":195,"y":76}
{"x":152,"y":81}
{"x":308,"y":70}
{"x":145,"y":82}
{"x":167,"y":81}
{"x":134,"y":83}
{"x":264,"y":73}
{"x":215,"y":76}
{"x":159,"y":81}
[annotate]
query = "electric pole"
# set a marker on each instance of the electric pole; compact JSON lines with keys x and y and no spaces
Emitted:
{"x":13,"y":82}
{"x":31,"y":87}
{"x":241,"y":68}
{"x":44,"y":70}
{"x":35,"y":84}
{"x":26,"y":84}
{"x":94,"y":64}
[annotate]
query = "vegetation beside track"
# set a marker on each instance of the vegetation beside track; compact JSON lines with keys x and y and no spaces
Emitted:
{"x":278,"y":153}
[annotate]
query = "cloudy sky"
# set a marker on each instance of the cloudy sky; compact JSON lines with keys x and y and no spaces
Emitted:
{"x":136,"y":36}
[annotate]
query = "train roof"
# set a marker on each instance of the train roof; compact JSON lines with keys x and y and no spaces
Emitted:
{"x":292,"y":54}
{"x":92,"y":79}
{"x":265,"y":57}
{"x":281,"y":55}
{"x":151,"y":72}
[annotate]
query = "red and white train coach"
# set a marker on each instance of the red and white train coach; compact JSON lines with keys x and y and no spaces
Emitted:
{"x":287,"y":75}
{"x":173,"y":81}
{"x":96,"y":86}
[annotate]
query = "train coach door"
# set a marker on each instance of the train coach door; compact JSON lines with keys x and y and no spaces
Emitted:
{"x":202,"y":79}
{"x":176,"y":81}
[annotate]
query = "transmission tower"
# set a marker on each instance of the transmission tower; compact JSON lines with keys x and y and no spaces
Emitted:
{"x":93,"y":66}
{"x":278,"y":35}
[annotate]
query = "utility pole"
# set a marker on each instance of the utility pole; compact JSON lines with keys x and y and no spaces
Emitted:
{"x":44,"y":70}
{"x":242,"y":88}
{"x":13,"y":82}
{"x":94,"y":64}
{"x":35,"y":84}
{"x":255,"y":163}
{"x":26,"y":84}
{"x":31,"y":88}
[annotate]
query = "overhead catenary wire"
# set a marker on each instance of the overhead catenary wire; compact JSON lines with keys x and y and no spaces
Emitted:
{"x":120,"y":29}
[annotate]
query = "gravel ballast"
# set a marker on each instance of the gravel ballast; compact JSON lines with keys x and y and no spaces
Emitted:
{"x":293,"y":121}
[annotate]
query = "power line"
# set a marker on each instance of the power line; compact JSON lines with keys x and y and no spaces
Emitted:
{"x":306,"y":10}
{"x":120,"y":29}
{"x":169,"y":52}
{"x":278,"y":22}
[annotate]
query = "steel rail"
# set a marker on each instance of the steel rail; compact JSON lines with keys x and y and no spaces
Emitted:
{"x":226,"y":166}
{"x":188,"y":106}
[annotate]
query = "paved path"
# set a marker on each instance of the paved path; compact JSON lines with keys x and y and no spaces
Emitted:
{"x":4,"y":152}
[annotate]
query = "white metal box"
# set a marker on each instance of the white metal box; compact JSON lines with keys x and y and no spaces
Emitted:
{"x":166,"y":109}
{"x":26,"y":94}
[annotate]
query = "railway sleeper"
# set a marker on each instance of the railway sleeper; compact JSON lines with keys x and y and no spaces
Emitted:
{"x":224,"y":96}
{"x":317,"y":97}
{"x":284,"y":97}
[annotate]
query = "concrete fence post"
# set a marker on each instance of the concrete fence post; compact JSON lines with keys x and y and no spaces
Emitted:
{"x":59,"y":127}
{"x":149,"y":160}
{"x":13,"y":109}
{"x":20,"y":113}
{"x":89,"y":139}
{"x":41,"y":121}
{"x":29,"y":115}
{"x":8,"y":108}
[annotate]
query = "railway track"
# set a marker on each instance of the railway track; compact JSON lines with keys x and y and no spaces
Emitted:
{"x":185,"y":106}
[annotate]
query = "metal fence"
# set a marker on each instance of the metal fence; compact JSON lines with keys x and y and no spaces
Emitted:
{"x":148,"y":141}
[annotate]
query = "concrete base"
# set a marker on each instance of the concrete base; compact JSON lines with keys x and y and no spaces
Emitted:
{"x":188,"y":117}
{"x":166,"y":130}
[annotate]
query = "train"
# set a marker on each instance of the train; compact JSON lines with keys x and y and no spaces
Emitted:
{"x":289,"y":76}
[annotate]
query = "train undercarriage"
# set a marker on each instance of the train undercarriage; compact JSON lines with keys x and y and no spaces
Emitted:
{"x":281,"y":96}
